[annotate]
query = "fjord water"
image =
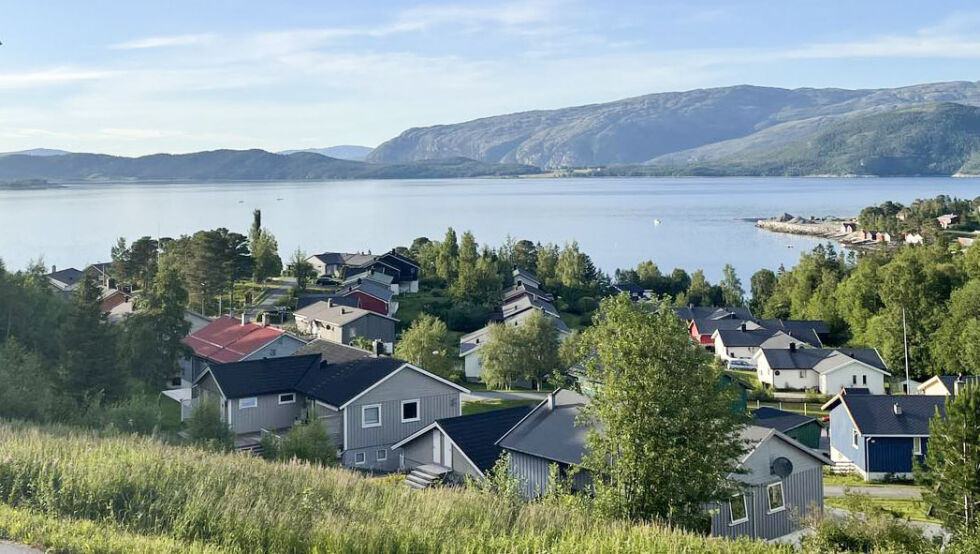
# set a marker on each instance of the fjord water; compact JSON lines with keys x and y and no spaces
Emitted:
{"x":701,"y":219}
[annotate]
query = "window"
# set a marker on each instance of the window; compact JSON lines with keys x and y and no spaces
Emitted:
{"x":917,"y":446}
{"x":854,"y":438}
{"x":382,"y":455}
{"x":287,"y":398}
{"x":775,"y":494}
{"x":359,"y":458}
{"x":410,"y":410}
{"x":738,"y":510}
{"x":864,"y":379}
{"x":247,"y":403}
{"x":802,"y":374}
{"x":854,"y":379}
{"x":371,"y":415}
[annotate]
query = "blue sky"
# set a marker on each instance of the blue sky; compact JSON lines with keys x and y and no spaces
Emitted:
{"x":143,"y":77}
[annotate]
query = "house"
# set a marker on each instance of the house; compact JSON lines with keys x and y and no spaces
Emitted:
{"x":65,"y":280}
{"x":743,"y":343}
{"x":797,"y":426}
{"x":383,"y":279}
{"x":341,"y":324}
{"x":312,"y":298}
{"x":780,"y":480}
{"x":408,"y":270}
{"x":635,"y":291}
{"x":524,"y":303}
{"x":372,"y":296}
{"x":403,"y":270}
{"x":702,"y":330}
{"x":781,"y":477}
{"x":848,"y":227}
{"x":946,"y":385}
{"x":227,"y":339}
{"x":101,"y":272}
{"x":365,"y":404}
{"x":525,"y":277}
{"x":811,"y":331}
{"x":947,"y":219}
{"x":525,"y":290}
{"x":465,"y":445}
{"x":908,"y":386}
{"x":690,"y":313}
{"x":470,"y":344}
{"x":913,"y":237}
{"x":880,"y":436}
{"x":965,"y":242}
{"x":334,"y":352}
{"x":550,"y":434}
{"x":827,"y":370}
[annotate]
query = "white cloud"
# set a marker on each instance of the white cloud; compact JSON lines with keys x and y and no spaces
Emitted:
{"x":164,"y":41}
{"x":53,"y":76}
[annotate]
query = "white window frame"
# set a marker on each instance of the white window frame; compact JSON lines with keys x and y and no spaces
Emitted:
{"x":290,"y":401}
{"x":418,"y":410}
{"x":782,"y":496}
{"x":731,"y":513}
{"x":253,"y":403}
{"x":364,"y":409}
{"x":362,"y":456}
{"x":916,"y":446}
{"x":855,"y":438}
{"x":381,"y":455}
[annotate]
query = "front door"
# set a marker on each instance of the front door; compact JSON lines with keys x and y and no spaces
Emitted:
{"x":447,"y":452}
{"x":436,"y":446}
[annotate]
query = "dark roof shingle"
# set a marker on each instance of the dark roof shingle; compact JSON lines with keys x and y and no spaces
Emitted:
{"x":779,"y":420}
{"x":874,"y":414}
{"x":476,"y":434}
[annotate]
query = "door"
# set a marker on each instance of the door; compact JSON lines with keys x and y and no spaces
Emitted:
{"x":447,"y":452}
{"x":436,"y":446}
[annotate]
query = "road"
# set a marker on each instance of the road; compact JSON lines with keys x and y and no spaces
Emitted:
{"x":273,"y":295}
{"x":13,"y":548}
{"x":483,"y":395}
{"x":876,"y":491}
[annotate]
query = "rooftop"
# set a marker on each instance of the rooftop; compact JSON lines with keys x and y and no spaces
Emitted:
{"x":549,"y":432}
{"x":875,"y":414}
{"x":821,"y":360}
{"x":329,"y":312}
{"x":227,"y":339}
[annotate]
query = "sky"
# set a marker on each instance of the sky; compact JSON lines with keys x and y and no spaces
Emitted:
{"x":139,"y":77}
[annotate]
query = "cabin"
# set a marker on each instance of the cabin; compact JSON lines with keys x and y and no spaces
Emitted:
{"x":880,"y":437}
{"x":366,"y":404}
{"x":827,"y":370}
{"x":342,"y":324}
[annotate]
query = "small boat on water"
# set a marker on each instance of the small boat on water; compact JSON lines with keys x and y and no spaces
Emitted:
{"x":656,"y":222}
{"x":789,"y":246}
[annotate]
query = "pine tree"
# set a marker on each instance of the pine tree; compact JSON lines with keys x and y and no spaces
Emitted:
{"x":87,"y":369}
{"x":731,"y":287}
{"x":447,"y":257}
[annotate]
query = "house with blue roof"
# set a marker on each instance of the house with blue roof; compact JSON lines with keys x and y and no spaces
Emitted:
{"x":880,"y":436}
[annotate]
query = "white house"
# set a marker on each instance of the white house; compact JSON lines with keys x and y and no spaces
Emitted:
{"x":470,"y":345}
{"x":946,"y":385}
{"x":827,"y":370}
{"x":743,"y":343}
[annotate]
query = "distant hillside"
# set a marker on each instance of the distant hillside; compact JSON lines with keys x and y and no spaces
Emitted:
{"x":927,"y":139}
{"x":37,"y":152}
{"x":238,"y":165}
{"x":341,"y":152}
{"x":641,"y":129}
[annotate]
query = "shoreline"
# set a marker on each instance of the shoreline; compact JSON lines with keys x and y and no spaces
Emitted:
{"x":828,"y":228}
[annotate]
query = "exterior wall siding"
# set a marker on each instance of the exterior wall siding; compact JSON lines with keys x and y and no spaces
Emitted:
{"x":892,"y":455}
{"x":373,"y":327}
{"x":808,"y":435}
{"x":368,"y":302}
{"x":333,"y":422}
{"x":802,"y":492}
{"x":284,"y":345}
{"x":531,"y":471}
{"x":268,"y":414}
{"x":473,"y":366}
{"x":841,"y":447}
{"x":833,"y":382}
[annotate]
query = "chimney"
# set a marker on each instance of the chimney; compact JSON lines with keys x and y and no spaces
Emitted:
{"x":358,"y":280}
{"x":265,"y":319}
{"x":551,"y":401}
{"x":376,"y":348}
{"x":330,"y":302}
{"x":897,"y":409}
{"x":54,"y":268}
{"x":741,"y":327}
{"x":792,"y":347}
{"x":243,"y":318}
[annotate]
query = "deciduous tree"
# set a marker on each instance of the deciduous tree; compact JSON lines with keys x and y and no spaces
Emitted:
{"x":426,"y":344}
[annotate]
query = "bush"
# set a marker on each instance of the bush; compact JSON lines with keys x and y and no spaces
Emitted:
{"x":466,"y":317}
{"x":865,"y":528}
{"x":140,"y":414}
{"x":586,"y":304}
{"x":307,"y":442}
{"x":761,"y":393}
{"x":205,"y":428}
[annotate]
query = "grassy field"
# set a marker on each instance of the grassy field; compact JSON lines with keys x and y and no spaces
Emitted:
{"x":77,"y":492}
{"x":902,"y":508}
{"x":495,"y":404}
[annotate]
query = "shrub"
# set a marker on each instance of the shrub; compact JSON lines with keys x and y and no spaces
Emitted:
{"x":205,"y":428}
{"x":140,"y":414}
{"x":865,"y":528}
{"x":586,"y":304}
{"x":308,"y":442}
{"x":466,"y":317}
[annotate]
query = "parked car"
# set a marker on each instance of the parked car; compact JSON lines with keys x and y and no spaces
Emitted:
{"x":741,"y":364}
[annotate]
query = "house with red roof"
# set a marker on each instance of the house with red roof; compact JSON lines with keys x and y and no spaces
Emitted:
{"x":228,"y":339}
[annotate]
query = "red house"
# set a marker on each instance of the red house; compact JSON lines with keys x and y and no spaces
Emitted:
{"x":371,"y":296}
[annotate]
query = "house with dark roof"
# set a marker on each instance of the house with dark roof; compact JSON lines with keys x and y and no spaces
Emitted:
{"x":795,"y":425}
{"x":635,"y":291}
{"x":881,"y":436}
{"x":827,"y":370}
{"x":464,"y":445}
{"x":811,"y":332}
{"x":65,"y":280}
{"x":366,"y":404}
{"x":743,"y":342}
{"x":688,"y":313}
{"x":371,"y":295}
{"x":779,"y":478}
{"x":471,"y":343}
{"x":526,"y":290}
{"x":333,"y":352}
{"x":339,"y":323}
{"x":403,"y":270}
{"x":227,"y":339}
{"x":946,"y":385}
{"x":525,"y":277}
{"x":384,"y":279}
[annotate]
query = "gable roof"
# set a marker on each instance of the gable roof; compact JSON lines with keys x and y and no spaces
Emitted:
{"x":519,"y":304}
{"x":265,"y":376}
{"x":340,"y":384}
{"x":754,"y":337}
{"x":68,"y":276}
{"x":523,"y":275}
{"x":708,"y":312}
{"x":755,"y":436}
{"x":874,"y":414}
{"x":349,"y":301}
{"x":471,"y":341}
{"x":475,"y":435}
{"x":369,"y":287}
{"x":796,"y":325}
{"x":780,"y":420}
{"x":822,"y":360}
{"x":332,"y":352}
{"x":518,"y":290}
{"x":949,"y":381}
{"x":370,"y":274}
{"x":330,"y":258}
{"x":709,"y":326}
{"x":337,"y":315}
{"x":225,"y":339}
{"x":632,"y":288}
{"x":400,"y":258}
{"x":551,"y":433}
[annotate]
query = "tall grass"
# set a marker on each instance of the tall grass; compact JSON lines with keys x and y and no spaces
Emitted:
{"x":240,"y":504}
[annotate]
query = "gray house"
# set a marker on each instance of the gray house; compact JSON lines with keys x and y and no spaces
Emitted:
{"x":339,"y":323}
{"x":783,"y":480}
{"x":366,"y":404}
{"x":465,"y":446}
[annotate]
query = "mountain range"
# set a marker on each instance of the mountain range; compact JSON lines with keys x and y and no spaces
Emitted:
{"x":743,"y":130}
{"x":341,"y":152}
{"x":238,"y":165}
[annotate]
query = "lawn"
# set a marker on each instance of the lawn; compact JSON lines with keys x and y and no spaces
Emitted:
{"x":903,"y":508}
{"x":495,"y":404}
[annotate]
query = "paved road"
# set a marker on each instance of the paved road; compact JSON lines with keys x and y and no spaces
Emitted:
{"x":876,"y":491}
{"x":274,"y":294}
{"x":12,"y":548}
{"x":481,"y":395}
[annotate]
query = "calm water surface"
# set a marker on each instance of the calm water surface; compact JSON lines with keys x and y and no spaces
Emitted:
{"x":612,"y":219}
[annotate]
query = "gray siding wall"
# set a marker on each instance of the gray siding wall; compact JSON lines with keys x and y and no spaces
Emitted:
{"x":419,"y":452}
{"x":332,"y":421}
{"x":436,"y":400}
{"x":285,"y":345}
{"x":371,"y":326}
{"x":371,"y":461}
{"x":268,"y":414}
{"x":531,"y":471}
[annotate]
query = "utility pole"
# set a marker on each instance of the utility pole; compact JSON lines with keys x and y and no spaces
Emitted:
{"x":905,"y":340}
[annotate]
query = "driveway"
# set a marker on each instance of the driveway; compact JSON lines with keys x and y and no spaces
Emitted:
{"x":13,"y":548}
{"x":876,"y":491}
{"x":482,"y":395}
{"x":273,"y":295}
